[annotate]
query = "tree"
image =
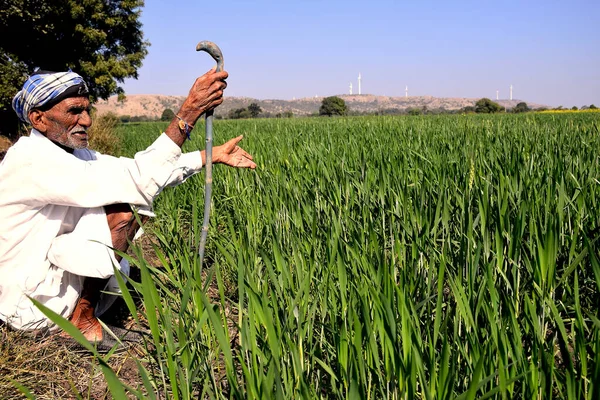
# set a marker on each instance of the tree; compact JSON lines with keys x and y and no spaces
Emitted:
{"x":167,"y":115}
{"x":593,"y":107}
{"x":100,"y":40}
{"x":574,"y":108}
{"x":254,"y":110}
{"x":521,"y":108}
{"x":333,"y":105}
{"x":487,"y":106}
{"x":285,"y":114}
{"x":239,"y":113}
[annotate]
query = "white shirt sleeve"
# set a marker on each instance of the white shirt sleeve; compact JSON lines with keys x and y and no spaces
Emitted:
{"x":70,"y":181}
{"x":187,"y":165}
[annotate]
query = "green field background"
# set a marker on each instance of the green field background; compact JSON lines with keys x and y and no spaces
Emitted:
{"x":382,"y":257}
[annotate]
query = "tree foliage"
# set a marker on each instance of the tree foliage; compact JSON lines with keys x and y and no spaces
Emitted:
{"x":239,"y":113}
{"x":487,"y":106}
{"x":254,"y":110}
{"x":333,"y":106}
{"x":167,"y":115}
{"x":100,"y":40}
{"x":285,"y":114}
{"x":521,"y":108}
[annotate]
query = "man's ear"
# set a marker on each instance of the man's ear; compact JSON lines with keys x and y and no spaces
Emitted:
{"x":37,"y":120}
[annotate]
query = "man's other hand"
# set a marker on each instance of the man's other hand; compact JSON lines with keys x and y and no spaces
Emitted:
{"x":231,"y":154}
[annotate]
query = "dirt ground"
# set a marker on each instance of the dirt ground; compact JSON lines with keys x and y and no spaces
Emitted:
{"x":50,"y":369}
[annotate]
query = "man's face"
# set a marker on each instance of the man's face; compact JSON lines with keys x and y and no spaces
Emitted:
{"x":67,"y":122}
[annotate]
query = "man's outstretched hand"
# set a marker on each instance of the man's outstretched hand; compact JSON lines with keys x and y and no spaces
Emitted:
{"x":231,"y":154}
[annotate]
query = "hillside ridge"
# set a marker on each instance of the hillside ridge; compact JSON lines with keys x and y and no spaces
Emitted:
{"x":153,"y":105}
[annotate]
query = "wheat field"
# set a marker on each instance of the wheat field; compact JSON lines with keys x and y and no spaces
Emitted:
{"x":450,"y":257}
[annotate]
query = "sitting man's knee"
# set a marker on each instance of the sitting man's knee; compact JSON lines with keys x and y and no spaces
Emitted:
{"x":118,"y":216}
{"x":121,"y":223}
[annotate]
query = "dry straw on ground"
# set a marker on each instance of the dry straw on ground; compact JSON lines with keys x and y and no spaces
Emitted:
{"x":5,"y":144}
{"x":50,"y":370}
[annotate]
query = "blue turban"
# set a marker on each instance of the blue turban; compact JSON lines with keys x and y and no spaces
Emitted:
{"x":45,"y":89}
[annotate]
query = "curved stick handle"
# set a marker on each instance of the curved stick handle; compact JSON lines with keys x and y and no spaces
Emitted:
{"x":215,"y":53}
{"x":213,"y":50}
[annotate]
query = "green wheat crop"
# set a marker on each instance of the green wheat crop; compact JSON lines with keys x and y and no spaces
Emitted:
{"x":451,"y":257}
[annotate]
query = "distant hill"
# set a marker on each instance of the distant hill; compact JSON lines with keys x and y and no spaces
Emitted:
{"x":152,"y":106}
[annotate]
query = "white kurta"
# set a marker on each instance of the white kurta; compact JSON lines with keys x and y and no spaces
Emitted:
{"x":53,"y":228}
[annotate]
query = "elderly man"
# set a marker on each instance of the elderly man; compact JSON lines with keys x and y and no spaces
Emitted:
{"x":62,"y":206}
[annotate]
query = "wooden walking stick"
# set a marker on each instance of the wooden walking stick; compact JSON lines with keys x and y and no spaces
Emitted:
{"x":215,"y":52}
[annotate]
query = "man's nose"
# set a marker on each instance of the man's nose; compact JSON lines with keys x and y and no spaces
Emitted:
{"x":85,"y":119}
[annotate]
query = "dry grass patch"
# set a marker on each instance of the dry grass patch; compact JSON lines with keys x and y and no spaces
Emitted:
{"x":102,"y":134}
{"x":51,"y":370}
{"x":5,"y":144}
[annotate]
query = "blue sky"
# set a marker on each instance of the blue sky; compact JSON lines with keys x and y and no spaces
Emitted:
{"x":548,"y":50}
